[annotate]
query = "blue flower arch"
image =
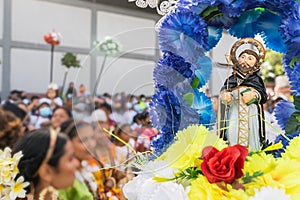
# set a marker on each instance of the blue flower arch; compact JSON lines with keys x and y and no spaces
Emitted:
{"x":195,"y":27}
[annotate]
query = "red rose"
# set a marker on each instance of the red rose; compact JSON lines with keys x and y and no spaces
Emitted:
{"x":225,"y":165}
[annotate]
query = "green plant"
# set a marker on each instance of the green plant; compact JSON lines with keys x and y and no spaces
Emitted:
{"x":69,"y":60}
{"x":272,"y":67}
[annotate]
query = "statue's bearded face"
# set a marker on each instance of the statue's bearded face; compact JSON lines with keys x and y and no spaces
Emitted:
{"x":246,"y":62}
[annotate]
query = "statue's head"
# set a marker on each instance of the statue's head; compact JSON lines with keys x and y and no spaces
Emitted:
{"x":248,"y":60}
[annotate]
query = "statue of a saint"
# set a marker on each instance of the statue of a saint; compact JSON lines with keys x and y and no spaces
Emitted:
{"x":242,"y":97}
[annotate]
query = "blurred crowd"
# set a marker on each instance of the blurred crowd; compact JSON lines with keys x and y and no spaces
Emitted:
{"x":102,"y":135}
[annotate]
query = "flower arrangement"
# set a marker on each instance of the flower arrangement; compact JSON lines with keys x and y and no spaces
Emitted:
{"x":11,"y":187}
{"x":199,"y":165}
{"x":192,"y":29}
{"x":189,"y":162}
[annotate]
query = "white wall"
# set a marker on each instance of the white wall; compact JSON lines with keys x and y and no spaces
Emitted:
{"x":30,"y":70}
{"x":32,"y":19}
{"x":219,"y":74}
{"x":1,"y":18}
{"x":129,"y":75}
{"x":131,"y":32}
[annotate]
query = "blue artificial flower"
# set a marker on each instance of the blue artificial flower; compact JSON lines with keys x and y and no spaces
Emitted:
{"x":284,"y":142}
{"x":290,"y":31}
{"x":178,"y":63}
{"x":203,"y":105}
{"x":195,"y":6}
{"x":295,"y":13}
{"x":267,"y":26}
{"x":158,"y":143}
{"x":246,"y":25}
{"x":233,"y":8}
{"x":165,"y":115}
{"x":222,"y":21}
{"x":292,"y":70}
{"x":181,"y":89}
{"x":214,"y":36}
{"x":184,"y":33}
{"x":288,"y":66}
{"x":203,"y":69}
{"x":169,"y":113}
{"x":283,"y":111}
{"x":172,"y":69}
{"x":188,"y":115}
{"x":166,"y":76}
{"x":165,"y":111}
{"x":284,"y":7}
{"x":294,"y":79}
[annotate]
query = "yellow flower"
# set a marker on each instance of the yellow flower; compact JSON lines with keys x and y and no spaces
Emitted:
{"x":188,"y":145}
{"x":285,"y":175}
{"x":259,"y":162}
{"x":293,"y":151}
{"x":201,"y":189}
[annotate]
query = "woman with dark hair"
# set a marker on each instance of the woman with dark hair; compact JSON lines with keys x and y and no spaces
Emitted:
{"x":48,"y":163}
{"x":60,"y":115}
{"x":83,"y":139}
{"x":11,"y":129}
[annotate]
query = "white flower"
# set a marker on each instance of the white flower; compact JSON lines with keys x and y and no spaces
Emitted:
{"x":270,"y":193}
{"x":17,"y":188}
{"x":6,"y":154}
{"x":143,"y":187}
{"x":108,"y":39}
{"x":271,"y":74}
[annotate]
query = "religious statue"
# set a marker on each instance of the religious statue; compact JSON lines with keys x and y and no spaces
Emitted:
{"x":242,"y":97}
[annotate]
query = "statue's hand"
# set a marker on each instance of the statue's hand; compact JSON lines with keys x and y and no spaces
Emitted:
{"x":248,"y":96}
{"x":226,"y":97}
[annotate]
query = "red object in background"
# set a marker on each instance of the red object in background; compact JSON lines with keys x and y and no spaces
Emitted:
{"x":52,"y":38}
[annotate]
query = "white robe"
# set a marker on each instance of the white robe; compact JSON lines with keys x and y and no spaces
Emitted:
{"x":251,"y":123}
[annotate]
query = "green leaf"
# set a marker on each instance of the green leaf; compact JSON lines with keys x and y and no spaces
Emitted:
{"x":189,"y":98}
{"x":293,"y":123}
{"x":295,"y":59}
{"x":208,"y":11}
{"x":195,"y":83}
{"x":297,"y":102}
{"x":250,"y":178}
{"x":70,"y":60}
